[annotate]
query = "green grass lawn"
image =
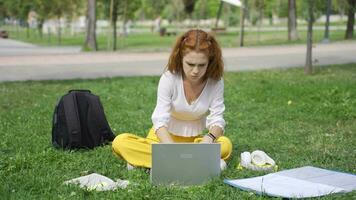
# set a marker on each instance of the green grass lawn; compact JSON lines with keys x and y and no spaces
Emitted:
{"x":318,"y":128}
{"x":153,"y":42}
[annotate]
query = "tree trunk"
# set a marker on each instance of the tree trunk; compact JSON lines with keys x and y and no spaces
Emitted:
{"x":326,"y":33}
{"x":292,"y":21}
{"x":218,"y":15}
{"x":111,"y":44}
{"x":40,"y":28}
{"x":350,"y":19}
{"x":309,"y":64}
{"x":114,"y":20}
{"x":109,"y":37}
{"x":242,"y":22}
{"x":90,"y":42}
{"x":260,"y":20}
{"x":59,"y":33}
{"x":27,"y":30}
{"x":49,"y":35}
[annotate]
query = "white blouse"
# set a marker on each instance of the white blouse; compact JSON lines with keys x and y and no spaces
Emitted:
{"x":181,"y":118}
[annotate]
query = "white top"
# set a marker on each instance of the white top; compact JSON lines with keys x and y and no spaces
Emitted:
{"x":184,"y":119}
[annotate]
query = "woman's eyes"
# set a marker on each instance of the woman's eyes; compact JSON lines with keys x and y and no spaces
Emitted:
{"x":192,"y":65}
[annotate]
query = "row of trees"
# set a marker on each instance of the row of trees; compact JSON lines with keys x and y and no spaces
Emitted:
{"x":177,"y":10}
{"x":307,"y":10}
{"x":173,"y":10}
{"x":20,"y":9}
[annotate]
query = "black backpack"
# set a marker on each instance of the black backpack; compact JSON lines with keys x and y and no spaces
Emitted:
{"x":79,"y":122}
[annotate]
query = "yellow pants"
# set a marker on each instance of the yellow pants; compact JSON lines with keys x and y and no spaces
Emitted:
{"x":137,"y":150}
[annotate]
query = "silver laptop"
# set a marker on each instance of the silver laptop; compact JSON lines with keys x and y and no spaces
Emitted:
{"x":184,"y":163}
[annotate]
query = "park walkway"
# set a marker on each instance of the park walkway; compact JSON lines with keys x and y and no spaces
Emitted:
{"x":20,"y":61}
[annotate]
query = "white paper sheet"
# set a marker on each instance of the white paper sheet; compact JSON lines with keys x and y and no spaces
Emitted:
{"x":298,"y":183}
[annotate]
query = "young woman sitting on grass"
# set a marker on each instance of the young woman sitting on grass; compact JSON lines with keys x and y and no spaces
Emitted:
{"x":190,"y":98}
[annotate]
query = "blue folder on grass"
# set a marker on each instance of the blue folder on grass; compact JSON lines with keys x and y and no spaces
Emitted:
{"x":301,"y":182}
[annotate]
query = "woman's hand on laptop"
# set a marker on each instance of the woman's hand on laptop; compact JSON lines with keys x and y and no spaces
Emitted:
{"x":163,"y":135}
{"x":207,"y":140}
{"x":214,"y":133}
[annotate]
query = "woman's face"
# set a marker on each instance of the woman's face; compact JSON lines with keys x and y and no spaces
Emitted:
{"x":195,"y":65}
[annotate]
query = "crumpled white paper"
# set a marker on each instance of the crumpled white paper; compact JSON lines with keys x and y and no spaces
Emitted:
{"x":257,"y":160}
{"x":98,"y":182}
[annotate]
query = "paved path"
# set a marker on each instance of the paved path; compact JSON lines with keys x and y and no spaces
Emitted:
{"x":67,"y":63}
{"x":10,"y":47}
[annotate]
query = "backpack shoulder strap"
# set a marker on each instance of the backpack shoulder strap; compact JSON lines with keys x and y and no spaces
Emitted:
{"x":98,"y":111}
{"x":72,"y":119}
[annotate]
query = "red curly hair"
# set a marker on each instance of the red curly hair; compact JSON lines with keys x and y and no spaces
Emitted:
{"x":199,"y":41}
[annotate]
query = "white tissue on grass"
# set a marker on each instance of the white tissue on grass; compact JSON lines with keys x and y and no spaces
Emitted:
{"x":259,"y":157}
{"x":257,"y":160}
{"x":98,"y":182}
{"x":245,"y":158}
